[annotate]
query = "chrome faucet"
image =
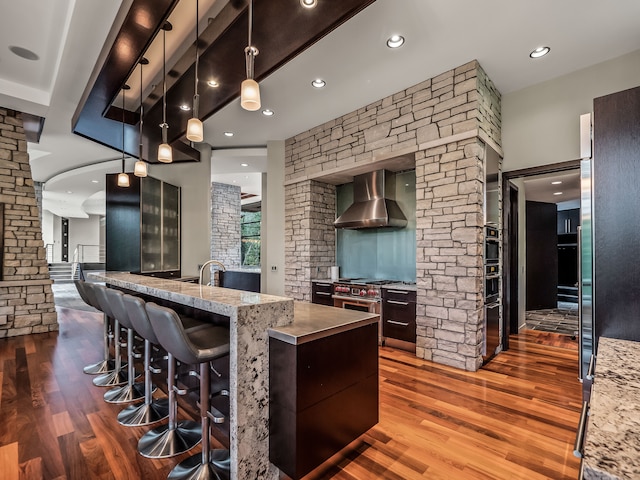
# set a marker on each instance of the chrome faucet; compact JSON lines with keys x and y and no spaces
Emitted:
{"x":205,"y":265}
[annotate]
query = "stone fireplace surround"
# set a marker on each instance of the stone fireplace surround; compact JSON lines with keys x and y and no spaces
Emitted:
{"x":444,"y":123}
{"x":26,"y":298}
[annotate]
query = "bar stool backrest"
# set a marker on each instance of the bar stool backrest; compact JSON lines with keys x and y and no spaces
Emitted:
{"x":103,"y":301}
{"x":138,"y":316}
{"x":114,"y":297}
{"x":81,"y":291}
{"x":90,"y":292}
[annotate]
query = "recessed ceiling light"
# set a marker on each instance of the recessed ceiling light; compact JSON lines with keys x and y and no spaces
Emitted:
{"x":246,"y":176}
{"x":557,"y":193}
{"x":539,"y":52}
{"x":318,"y":83}
{"x":244,"y":164}
{"x":185,"y":107}
{"x":395,"y":41}
{"x":24,"y":53}
{"x":267,"y":112}
{"x":309,"y":3}
{"x":228,"y":134}
{"x":557,"y":182}
{"x":95,"y":181}
{"x":235,"y":181}
{"x":69,"y":191}
{"x":213,"y":84}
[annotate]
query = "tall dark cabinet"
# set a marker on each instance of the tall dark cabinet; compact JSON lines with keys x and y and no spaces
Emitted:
{"x":143,"y":227}
{"x":616,"y":215}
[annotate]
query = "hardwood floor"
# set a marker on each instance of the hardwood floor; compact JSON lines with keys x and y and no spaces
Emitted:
{"x":514,"y":419}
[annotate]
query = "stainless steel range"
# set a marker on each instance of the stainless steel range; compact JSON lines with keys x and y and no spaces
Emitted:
{"x":358,"y":294}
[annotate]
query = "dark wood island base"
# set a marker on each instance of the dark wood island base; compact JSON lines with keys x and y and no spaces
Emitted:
{"x":323,"y":394}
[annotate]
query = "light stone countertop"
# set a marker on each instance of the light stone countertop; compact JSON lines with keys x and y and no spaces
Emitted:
{"x":612,"y":446}
{"x":312,"y":321}
{"x":401,"y":286}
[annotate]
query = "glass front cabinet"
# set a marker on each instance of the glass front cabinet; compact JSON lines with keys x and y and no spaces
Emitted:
{"x":143,"y":227}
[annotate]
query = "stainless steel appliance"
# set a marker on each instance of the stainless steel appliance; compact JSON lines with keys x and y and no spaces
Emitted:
{"x":358,"y":294}
{"x":491,"y":292}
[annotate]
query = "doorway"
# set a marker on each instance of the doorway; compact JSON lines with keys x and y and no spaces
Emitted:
{"x":541,"y":216}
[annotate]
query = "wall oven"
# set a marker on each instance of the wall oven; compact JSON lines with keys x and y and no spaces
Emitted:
{"x":491,"y":246}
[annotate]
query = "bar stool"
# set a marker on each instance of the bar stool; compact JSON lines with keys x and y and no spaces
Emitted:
{"x":194,"y":346}
{"x":151,"y":411}
{"x":131,"y":392}
{"x":88,"y":296}
{"x":117,"y":377}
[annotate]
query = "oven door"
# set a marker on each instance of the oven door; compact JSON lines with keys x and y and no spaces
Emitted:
{"x":356,"y":304}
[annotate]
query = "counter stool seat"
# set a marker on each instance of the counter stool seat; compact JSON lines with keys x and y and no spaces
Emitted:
{"x":195,"y":346}
{"x":88,"y":296}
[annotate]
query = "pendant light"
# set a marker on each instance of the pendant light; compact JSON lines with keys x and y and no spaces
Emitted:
{"x":140,"y":167}
{"x":165,"y":153}
{"x":250,"y":90}
{"x":194,"y":125}
{"x":123,"y":178}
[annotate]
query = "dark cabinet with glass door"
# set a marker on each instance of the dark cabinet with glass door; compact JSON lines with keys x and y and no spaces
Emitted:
{"x":143,"y":227}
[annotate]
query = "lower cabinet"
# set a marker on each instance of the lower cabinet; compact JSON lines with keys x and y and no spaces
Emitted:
{"x":323,"y":394}
{"x":322,"y":293}
{"x":399,"y":314}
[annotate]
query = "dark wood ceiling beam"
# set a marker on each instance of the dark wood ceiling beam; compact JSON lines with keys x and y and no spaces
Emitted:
{"x":281,"y":30}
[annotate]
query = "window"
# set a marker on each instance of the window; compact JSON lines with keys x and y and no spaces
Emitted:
{"x":250,"y":238}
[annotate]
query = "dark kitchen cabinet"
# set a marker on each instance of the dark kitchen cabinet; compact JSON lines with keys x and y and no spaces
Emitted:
{"x":568,"y":221}
{"x":542,"y":255}
{"x":399,"y":314}
{"x":322,"y":293}
{"x":323,"y":394}
{"x":143,"y":227}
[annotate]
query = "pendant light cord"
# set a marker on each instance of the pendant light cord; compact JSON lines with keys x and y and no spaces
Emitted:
{"x":141,"y":115}
{"x":164,"y":86}
{"x":197,"y":56}
{"x":123,"y":90}
{"x":250,"y":20}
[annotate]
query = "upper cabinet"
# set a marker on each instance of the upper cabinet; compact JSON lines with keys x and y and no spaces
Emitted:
{"x":143,"y":227}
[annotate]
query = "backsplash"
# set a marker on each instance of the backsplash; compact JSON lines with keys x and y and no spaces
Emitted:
{"x":383,"y":253}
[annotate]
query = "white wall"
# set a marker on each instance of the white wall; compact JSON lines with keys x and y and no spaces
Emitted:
{"x":540,"y":123}
{"x":272,"y":228}
{"x":47,"y":226}
{"x":85,"y":231}
{"x":194,"y":178}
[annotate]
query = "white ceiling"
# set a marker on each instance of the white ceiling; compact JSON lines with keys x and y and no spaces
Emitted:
{"x":68,"y":36}
{"x":545,"y":188}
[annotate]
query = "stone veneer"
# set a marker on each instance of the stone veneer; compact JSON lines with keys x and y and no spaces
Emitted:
{"x":443,"y":124}
{"x":26,"y":299}
{"x":225,"y":224}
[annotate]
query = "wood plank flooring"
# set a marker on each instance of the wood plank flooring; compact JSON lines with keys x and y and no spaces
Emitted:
{"x":515,"y":419}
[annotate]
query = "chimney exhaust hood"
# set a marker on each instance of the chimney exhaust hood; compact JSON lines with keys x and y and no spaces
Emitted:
{"x":374,"y":203}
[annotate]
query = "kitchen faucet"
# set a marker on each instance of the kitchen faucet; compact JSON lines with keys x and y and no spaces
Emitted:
{"x":205,"y":265}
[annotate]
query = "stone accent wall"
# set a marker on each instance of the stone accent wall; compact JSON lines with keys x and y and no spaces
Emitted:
{"x":310,"y":237}
{"x":26,"y":298}
{"x":225,"y":224}
{"x":444,"y":123}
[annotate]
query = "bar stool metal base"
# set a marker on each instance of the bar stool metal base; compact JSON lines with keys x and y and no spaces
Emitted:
{"x":145,"y":414}
{"x":127,"y":393}
{"x":192,"y":468}
{"x":103,"y":366}
{"x":112,"y":379}
{"x":163,"y":443}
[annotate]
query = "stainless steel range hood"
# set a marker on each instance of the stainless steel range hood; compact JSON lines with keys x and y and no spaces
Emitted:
{"x":374,"y":203}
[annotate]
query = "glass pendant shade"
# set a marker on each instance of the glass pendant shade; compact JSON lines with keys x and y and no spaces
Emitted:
{"x":140,"y":169}
{"x":165,"y":154}
{"x":194,"y":130}
{"x":250,"y":95}
{"x":123,"y":180}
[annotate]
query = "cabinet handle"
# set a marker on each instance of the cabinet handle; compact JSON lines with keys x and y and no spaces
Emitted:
{"x":579,"y":445}
{"x":403,"y":292}
{"x":323,"y":293}
{"x":395,"y":302}
{"x":324,"y":284}
{"x":402,"y":324}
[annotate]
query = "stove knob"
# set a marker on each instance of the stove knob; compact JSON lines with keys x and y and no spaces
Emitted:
{"x":371,"y":292}
{"x":363,"y":292}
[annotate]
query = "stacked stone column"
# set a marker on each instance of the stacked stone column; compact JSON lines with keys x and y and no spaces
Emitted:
{"x":26,"y":298}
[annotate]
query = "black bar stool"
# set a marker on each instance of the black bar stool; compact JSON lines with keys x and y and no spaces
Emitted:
{"x":151,"y":411}
{"x":195,"y":346}
{"x":118,"y":376}
{"x":85,"y":289}
{"x":131,"y":392}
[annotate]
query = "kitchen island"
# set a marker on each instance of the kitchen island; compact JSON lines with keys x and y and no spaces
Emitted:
{"x":254,"y":318}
